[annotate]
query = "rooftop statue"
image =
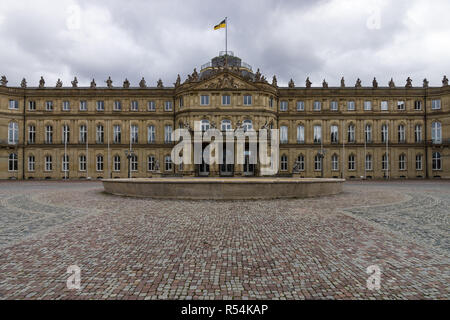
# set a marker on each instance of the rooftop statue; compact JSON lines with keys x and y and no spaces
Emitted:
{"x":408,"y":83}
{"x":391,"y":83}
{"x":75,"y":82}
{"x":41,"y":82}
{"x":59,"y":83}
{"x":159,"y":84}
{"x":23,"y":84}
{"x":375,"y":83}
{"x":445,"y":81}
{"x":425,"y":83}
{"x":324,"y":84}
{"x":109,"y":82}
{"x":308,"y":83}
{"x":178,"y":81}
{"x":93,"y":84}
{"x":291,"y":84}
{"x":126,"y":83}
{"x":274,"y":81}
{"x":195,"y":75}
{"x":358,"y":83}
{"x":3,"y":81}
{"x":342,"y":83}
{"x":258,"y":75}
{"x":142,"y":83}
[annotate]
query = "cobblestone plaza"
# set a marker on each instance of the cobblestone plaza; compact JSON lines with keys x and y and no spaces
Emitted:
{"x":318,"y":248}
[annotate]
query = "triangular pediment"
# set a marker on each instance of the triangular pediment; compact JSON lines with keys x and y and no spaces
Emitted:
{"x":225,"y":80}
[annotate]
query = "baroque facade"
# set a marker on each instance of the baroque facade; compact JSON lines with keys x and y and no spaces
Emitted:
{"x":349,"y":131}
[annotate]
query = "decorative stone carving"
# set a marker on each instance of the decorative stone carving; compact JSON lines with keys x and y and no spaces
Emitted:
{"x":425,"y":83}
{"x":375,"y":83}
{"x":59,"y":83}
{"x":126,"y":83}
{"x":195,"y":75}
{"x":445,"y":81}
{"x":157,"y":165}
{"x":187,"y":126}
{"x":324,"y":84}
{"x":258,"y":75}
{"x":308,"y":83}
{"x":358,"y":83}
{"x":75,"y":82}
{"x":239,"y":125}
{"x":3,"y":81}
{"x":291,"y":84}
{"x":177,"y":82}
{"x":23,"y":84}
{"x":41,"y":82}
{"x":296,"y":168}
{"x":93,"y":84}
{"x":408,"y":83}
{"x":263,"y":79}
{"x":391,"y":83}
{"x":159,"y":84}
{"x":142,"y":83}
{"x":274,"y":81}
{"x":212,"y":125}
{"x":109,"y":83}
{"x":342,"y":82}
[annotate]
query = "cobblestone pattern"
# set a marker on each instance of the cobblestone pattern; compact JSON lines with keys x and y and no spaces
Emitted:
{"x":316,"y":248}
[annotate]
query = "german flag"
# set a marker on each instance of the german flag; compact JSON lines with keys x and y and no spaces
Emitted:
{"x":223,"y":24}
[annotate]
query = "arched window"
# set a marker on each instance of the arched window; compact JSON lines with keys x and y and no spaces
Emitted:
{"x":48,"y":134}
{"x":100,"y":137}
{"x":247,"y":125}
{"x":82,"y":162}
{"x":134,"y":163}
{"x":301,"y":162}
{"x":13,"y":133}
{"x":168,"y":163}
{"x":151,"y":134}
{"x":225,"y":125}
{"x":317,"y":162}
{"x":351,"y":133}
{"x":134,"y":134}
{"x":334,"y":162}
{"x":48,"y":163}
{"x":13,"y":164}
{"x":83,"y":133}
{"x":99,"y":163}
{"x":283,"y":134}
{"x":168,"y":134}
{"x":368,"y":164}
{"x":65,"y":133}
{"x":300,"y":134}
{"x":384,"y":133}
{"x":65,"y":163}
{"x":31,"y":134}
{"x":419,"y":162}
{"x":436,"y":132}
{"x":204,"y":125}
{"x":368,"y":133}
{"x":284,"y":163}
{"x":402,"y":162}
{"x":401,"y":133}
{"x":151,"y":163}
{"x":385,"y":162}
{"x":116,"y":163}
{"x":351,"y":162}
{"x":334,"y":131}
{"x":317,"y":134}
{"x":117,"y":132}
{"x":436,"y":161}
{"x":31,"y":163}
{"x":418,"y":133}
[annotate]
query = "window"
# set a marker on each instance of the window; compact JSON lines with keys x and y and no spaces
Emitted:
{"x":270,"y":102}
{"x":117,"y":134}
{"x":204,"y":100}
{"x":134,"y":163}
{"x":436,"y":161}
{"x":225,"y":125}
{"x":317,"y":162}
{"x":385,"y":162}
{"x":402,"y":162}
{"x":31,"y":163}
{"x":151,"y":106}
{"x":134,"y":134}
{"x":384,"y":133}
{"x":13,"y":133}
{"x":300,"y":134}
{"x":48,"y":134}
{"x":284,"y":162}
{"x":334,"y":134}
{"x":151,"y":163}
{"x":66,"y":106}
{"x":83,"y":105}
{"x":49,"y":106}
{"x":100,"y":106}
{"x":384,"y":106}
{"x":418,"y":162}
{"x":418,"y":133}
{"x":317,"y":134}
{"x":83,"y":134}
{"x":301,"y":162}
{"x":283,"y":105}
{"x":31,"y":105}
{"x":226,"y":100}
{"x":334,"y":106}
{"x":247,"y":125}
{"x":14,"y":104}
{"x":300,"y":106}
{"x":65,"y":163}
{"x":99,"y":163}
{"x":368,"y":133}
{"x":247,"y":100}
{"x":436,"y":104}
{"x":351,"y":133}
{"x":180,"y":102}
{"x":401,"y":133}
{"x":351,"y":162}
{"x":116,"y":163}
{"x":65,"y":133}
{"x":134,"y":106}
{"x":167,"y":163}
{"x":367,"y":105}
{"x":317,"y":106}
{"x":400,"y":105}
{"x":151,"y":134}
{"x":351,"y":106}
{"x":82,"y":162}
{"x":168,"y":106}
{"x":283,"y":134}
{"x":368,"y":164}
{"x":436,"y":132}
{"x":13,"y":163}
{"x":335,"y":162}
{"x":48,"y":163}
{"x":204,"y":125}
{"x":31,"y":134}
{"x":417,"y":105}
{"x":117,"y":105}
{"x":168,"y":134}
{"x":100,"y":135}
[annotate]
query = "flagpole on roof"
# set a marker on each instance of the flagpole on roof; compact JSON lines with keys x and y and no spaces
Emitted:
{"x":226,"y":37}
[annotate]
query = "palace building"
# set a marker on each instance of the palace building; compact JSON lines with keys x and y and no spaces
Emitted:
{"x":114,"y":131}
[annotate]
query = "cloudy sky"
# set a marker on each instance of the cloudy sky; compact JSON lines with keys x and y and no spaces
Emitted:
{"x":159,"y":39}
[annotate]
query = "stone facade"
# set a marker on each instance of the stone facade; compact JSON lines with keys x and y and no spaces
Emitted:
{"x":411,"y":108}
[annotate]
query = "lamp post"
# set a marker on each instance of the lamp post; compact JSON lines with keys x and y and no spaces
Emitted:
{"x":129,"y":154}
